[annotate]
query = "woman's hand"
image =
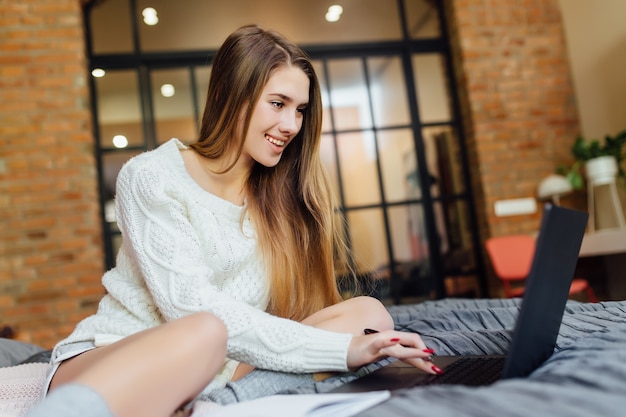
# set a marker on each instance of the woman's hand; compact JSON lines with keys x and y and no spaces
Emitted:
{"x":407,"y":347}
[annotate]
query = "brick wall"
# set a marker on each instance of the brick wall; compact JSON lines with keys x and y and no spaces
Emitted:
{"x":517,"y":100}
{"x":50,"y":241}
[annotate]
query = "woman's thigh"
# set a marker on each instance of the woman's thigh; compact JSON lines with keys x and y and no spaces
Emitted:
{"x":152,"y":372}
{"x":352,"y":316}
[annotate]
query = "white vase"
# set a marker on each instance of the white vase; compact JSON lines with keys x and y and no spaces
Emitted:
{"x":601,"y":170}
{"x":601,"y":174}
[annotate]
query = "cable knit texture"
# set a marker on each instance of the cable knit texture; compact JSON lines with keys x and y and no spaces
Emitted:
{"x":185,"y":250}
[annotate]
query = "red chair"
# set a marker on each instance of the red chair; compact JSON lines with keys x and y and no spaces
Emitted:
{"x":511,"y":257}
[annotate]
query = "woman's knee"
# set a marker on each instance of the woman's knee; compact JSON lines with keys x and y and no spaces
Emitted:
{"x":207,"y":332}
{"x":210,"y":325}
{"x":372,"y":311}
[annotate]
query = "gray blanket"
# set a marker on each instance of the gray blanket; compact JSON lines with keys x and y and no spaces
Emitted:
{"x":586,"y":375}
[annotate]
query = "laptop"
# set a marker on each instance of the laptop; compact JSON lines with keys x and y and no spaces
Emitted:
{"x":536,"y":328}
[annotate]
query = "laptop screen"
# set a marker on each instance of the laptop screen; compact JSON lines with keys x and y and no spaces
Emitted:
{"x":546,"y":290}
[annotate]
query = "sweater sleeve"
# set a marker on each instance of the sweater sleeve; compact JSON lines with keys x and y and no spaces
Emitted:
{"x":167,"y":250}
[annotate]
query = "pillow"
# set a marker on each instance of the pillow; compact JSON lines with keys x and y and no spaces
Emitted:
{"x":13,"y":352}
{"x":39,"y":357}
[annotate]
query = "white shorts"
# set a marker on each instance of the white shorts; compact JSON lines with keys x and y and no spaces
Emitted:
{"x":63,"y":353}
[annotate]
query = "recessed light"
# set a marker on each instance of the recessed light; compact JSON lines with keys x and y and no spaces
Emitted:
{"x":335,"y":9}
{"x":167,"y":90}
{"x":150,"y":16}
{"x":120,"y":141}
{"x":334,"y":13}
{"x":98,"y":72}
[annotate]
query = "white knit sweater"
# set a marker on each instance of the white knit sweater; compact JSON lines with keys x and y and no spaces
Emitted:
{"x":184,"y":250}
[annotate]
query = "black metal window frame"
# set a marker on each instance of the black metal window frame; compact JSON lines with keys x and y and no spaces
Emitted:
{"x":143,"y":63}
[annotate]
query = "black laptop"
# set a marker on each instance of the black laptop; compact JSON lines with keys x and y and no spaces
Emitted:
{"x":537,"y":325}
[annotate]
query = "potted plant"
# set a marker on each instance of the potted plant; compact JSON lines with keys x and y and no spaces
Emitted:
{"x":602,"y":160}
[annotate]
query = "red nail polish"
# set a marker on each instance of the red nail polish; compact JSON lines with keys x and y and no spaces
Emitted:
{"x":395,"y":339}
{"x":428,"y":351}
{"x":437,"y":369}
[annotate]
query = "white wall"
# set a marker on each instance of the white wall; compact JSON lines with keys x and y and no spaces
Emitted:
{"x":595,"y":32}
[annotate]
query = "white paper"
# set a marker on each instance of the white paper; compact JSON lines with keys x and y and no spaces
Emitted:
{"x":305,"y":405}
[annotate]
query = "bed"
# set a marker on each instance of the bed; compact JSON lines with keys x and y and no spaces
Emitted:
{"x":586,"y":375}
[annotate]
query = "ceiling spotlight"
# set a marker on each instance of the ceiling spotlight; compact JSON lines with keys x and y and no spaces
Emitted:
{"x":167,"y":90}
{"x":120,"y":141}
{"x":98,"y":72}
{"x":334,"y":13}
{"x":150,"y":17}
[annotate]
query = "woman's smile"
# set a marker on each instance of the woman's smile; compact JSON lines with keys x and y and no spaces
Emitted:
{"x":275,"y":141}
{"x":278,"y":115}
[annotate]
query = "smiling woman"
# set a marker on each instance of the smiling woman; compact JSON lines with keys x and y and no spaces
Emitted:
{"x":263,"y":92}
{"x":390,"y":139}
{"x":275,"y":121}
{"x":231,"y":243}
{"x":277,"y":116}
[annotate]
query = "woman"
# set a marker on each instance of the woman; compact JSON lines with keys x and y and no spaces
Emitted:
{"x":239,"y":224}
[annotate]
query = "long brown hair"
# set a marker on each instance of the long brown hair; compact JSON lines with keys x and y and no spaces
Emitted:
{"x":291,"y":204}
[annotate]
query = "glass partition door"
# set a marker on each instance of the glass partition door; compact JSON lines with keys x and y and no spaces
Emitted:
{"x":391,"y":137}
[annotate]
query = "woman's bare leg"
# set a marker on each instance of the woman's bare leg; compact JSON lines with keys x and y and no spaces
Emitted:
{"x":153,"y":372}
{"x":349,"y":316}
{"x":352,"y":316}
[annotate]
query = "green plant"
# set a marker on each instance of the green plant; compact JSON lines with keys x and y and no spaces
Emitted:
{"x":584,"y":150}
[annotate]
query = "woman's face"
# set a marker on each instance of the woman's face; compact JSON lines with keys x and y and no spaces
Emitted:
{"x":277,"y":116}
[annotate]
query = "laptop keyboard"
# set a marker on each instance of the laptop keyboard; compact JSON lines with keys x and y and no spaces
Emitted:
{"x":472,"y":371}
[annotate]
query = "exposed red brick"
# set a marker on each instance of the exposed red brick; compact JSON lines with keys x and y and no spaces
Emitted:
{"x":517,"y":99}
{"x":49,"y":213}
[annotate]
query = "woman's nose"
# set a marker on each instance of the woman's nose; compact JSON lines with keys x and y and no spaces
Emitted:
{"x":290,"y":123}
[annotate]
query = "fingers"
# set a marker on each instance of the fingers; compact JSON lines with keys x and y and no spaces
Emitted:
{"x":425,"y":365}
{"x":420,"y":358}
{"x":408,"y":347}
{"x":412,"y":340}
{"x":407,"y":340}
{"x":399,"y":351}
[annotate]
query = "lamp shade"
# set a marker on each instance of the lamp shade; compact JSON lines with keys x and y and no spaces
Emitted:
{"x":553,"y":186}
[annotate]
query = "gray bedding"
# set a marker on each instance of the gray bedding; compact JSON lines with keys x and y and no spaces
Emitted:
{"x":13,"y":352}
{"x":586,"y":375}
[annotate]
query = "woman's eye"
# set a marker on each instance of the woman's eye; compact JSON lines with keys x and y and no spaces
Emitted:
{"x":277,"y":104}
{"x":301,"y":110}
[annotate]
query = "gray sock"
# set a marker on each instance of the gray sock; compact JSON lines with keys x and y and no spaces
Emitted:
{"x":72,"y":400}
{"x":258,"y":383}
